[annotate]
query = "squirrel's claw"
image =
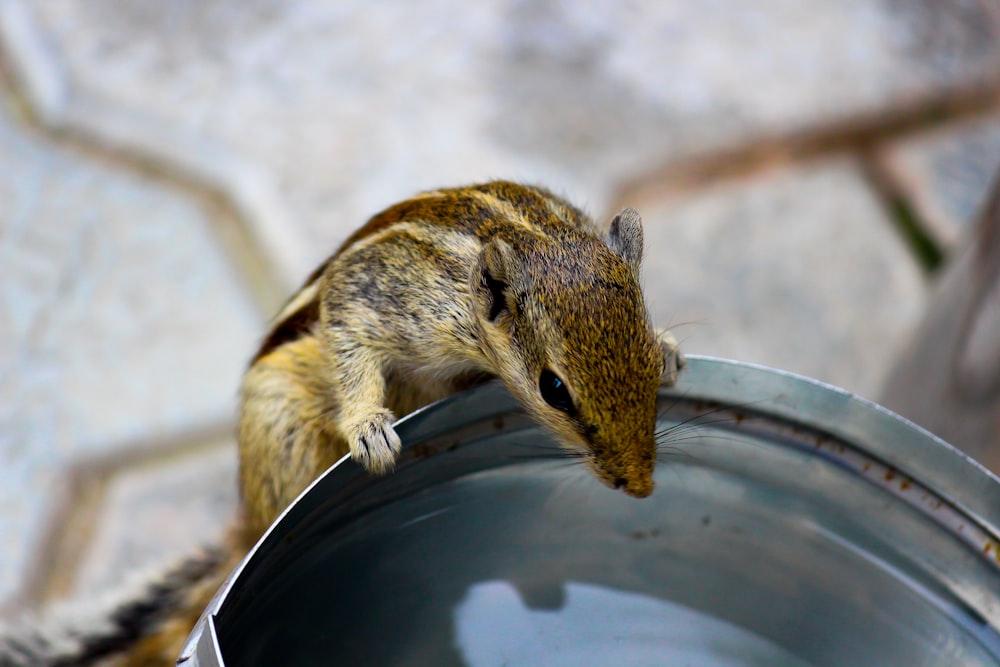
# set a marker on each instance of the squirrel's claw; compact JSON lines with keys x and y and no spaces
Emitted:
{"x":673,"y":358}
{"x":374,"y":442}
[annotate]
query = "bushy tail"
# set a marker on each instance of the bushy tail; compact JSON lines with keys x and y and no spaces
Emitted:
{"x":81,"y":634}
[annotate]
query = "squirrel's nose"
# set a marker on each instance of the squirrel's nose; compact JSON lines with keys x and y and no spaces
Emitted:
{"x":639,"y":487}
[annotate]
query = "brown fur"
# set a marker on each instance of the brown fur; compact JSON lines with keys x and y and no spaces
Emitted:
{"x":434,"y":295}
{"x":398,"y":317}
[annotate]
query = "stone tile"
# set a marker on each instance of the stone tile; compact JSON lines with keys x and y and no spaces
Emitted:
{"x":158,"y":512}
{"x":946,"y":173}
{"x":796,"y":269}
{"x":347,"y":107}
{"x":120,"y":321}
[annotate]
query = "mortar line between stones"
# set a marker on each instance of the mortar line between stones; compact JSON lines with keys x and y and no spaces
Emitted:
{"x":71,"y":517}
{"x":71,"y":120}
{"x":854,"y":135}
{"x":71,"y":512}
{"x":912,"y":228}
{"x":251,"y":197}
{"x":251,"y":267}
{"x":238,"y":197}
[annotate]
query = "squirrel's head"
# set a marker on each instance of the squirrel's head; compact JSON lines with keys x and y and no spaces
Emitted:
{"x":564,"y":322}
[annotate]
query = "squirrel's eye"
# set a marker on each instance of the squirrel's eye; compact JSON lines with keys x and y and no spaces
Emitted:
{"x":554,"y":391}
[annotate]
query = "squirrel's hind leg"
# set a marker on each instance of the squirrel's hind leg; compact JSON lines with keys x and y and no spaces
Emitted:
{"x":288,"y":433}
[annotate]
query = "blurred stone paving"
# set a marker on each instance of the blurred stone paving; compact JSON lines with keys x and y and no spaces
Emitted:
{"x":170,"y":170}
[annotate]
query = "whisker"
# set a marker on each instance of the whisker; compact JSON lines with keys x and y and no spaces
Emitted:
{"x":695,"y":437}
{"x":696,"y":417}
{"x":674,"y":470}
{"x":667,"y":458}
{"x":662,"y":412}
{"x":694,"y":431}
{"x":709,"y":413}
{"x":700,"y":322}
{"x":689,"y":424}
{"x":559,"y":451}
{"x":541,"y":451}
{"x":545,"y":457}
{"x":677,"y":454}
{"x":671,"y":451}
{"x":570,"y":485}
{"x":681,"y":341}
{"x":680,"y":429}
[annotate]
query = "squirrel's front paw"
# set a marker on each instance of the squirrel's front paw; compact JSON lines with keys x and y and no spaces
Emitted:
{"x":374,"y":443}
{"x":673,"y":359}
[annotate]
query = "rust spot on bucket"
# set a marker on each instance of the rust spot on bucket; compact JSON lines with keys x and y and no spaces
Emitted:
{"x":423,"y":451}
{"x":643,"y":534}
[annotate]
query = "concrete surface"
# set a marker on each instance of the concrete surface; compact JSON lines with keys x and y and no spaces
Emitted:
{"x":946,"y":173}
{"x":343,"y":107}
{"x":149,"y":506}
{"x":798,"y":269}
{"x":131,"y":131}
{"x":121,"y":322}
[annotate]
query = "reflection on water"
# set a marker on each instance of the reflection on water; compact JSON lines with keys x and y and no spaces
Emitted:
{"x":515,"y":566}
{"x":494,"y":627}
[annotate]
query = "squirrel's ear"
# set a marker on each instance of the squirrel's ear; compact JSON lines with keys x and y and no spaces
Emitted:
{"x":499,"y":274}
{"x":625,"y":238}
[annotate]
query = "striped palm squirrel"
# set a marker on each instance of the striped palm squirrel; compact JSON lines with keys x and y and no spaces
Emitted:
{"x":436,"y":294}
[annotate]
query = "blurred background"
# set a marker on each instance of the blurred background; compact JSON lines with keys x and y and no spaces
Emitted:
{"x":170,"y":170}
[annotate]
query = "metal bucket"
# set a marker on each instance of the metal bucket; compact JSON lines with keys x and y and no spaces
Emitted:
{"x":792,"y":524}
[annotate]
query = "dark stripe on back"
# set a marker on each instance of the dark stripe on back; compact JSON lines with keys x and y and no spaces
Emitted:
{"x":298,"y":323}
{"x":293,"y":327}
{"x":533,"y":201}
{"x":397,"y":213}
{"x":461,"y":213}
{"x":455,"y":208}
